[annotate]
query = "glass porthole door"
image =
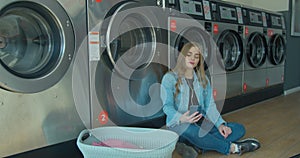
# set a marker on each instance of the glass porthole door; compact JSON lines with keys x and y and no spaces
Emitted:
{"x":231,"y":48}
{"x":256,"y":50}
{"x":36,"y":46}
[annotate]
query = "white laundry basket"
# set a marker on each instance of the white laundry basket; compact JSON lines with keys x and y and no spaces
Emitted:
{"x":152,"y":143}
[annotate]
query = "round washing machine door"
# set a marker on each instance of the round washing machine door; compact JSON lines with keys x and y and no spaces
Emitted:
{"x":256,"y":49}
{"x":277,"y":49}
{"x":197,"y":35}
{"x":131,"y":38}
{"x":36,"y":45}
{"x":231,"y":48}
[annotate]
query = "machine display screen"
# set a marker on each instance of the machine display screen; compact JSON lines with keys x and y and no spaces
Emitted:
{"x":228,"y":13}
{"x":276,"y":21}
{"x":191,"y":7}
{"x":255,"y":17}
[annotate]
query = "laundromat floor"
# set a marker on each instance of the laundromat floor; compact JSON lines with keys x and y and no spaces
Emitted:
{"x":274,"y":122}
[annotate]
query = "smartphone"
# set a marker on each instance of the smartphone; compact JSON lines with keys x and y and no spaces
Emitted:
{"x":201,"y":111}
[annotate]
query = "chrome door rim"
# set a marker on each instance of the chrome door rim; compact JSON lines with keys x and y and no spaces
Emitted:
{"x":235,"y":44}
{"x":48,"y":75}
{"x":256,"y":49}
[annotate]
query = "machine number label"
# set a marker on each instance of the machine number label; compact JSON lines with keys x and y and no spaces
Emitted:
{"x":94,"y":46}
{"x":264,"y":19}
{"x":207,"y":13}
{"x":283,"y":23}
{"x":103,"y":117}
{"x":239,"y":15}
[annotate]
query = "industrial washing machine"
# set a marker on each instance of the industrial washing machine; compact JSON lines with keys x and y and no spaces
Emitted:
{"x":190,"y":21}
{"x":256,"y":49}
{"x":276,"y":36}
{"x":187,"y":22}
{"x":128,"y":57}
{"x":227,"y":31}
{"x":39,"y":40}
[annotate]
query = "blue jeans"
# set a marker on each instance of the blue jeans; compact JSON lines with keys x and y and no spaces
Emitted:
{"x":211,"y":139}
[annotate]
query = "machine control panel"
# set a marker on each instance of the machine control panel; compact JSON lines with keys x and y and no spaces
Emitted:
{"x":255,"y":17}
{"x":228,"y":13}
{"x":198,"y":9}
{"x":276,"y":21}
{"x":191,"y":7}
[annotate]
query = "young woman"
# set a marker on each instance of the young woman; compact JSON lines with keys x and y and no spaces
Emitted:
{"x":187,"y":88}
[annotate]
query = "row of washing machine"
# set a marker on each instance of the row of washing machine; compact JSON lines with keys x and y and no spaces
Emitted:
{"x":244,"y":50}
{"x":250,"y":41}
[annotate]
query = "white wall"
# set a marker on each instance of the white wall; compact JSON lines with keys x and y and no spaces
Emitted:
{"x":244,"y":2}
{"x":274,"y":5}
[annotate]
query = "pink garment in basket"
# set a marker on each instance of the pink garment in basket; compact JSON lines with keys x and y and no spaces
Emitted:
{"x":116,"y":143}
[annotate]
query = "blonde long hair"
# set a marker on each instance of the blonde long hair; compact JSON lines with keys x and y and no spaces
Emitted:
{"x":180,"y":67}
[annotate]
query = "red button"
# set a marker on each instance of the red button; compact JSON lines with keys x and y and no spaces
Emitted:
{"x":173,"y":25}
{"x":245,"y":87}
{"x":216,"y":28}
{"x":267,"y":82}
{"x":246,"y":30}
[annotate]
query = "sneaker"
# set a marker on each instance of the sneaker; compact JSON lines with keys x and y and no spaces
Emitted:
{"x":247,"y":145}
{"x":186,"y":151}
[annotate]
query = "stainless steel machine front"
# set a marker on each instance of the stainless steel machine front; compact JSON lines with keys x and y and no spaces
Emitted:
{"x":190,"y":21}
{"x":187,"y":22}
{"x":128,"y":58}
{"x":276,"y":36}
{"x":227,"y":31}
{"x":256,"y":48}
{"x":39,"y":40}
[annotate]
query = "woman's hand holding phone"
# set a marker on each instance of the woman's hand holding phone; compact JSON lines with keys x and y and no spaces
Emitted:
{"x":195,"y":108}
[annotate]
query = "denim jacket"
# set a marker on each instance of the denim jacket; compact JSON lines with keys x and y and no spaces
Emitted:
{"x":175,"y":107}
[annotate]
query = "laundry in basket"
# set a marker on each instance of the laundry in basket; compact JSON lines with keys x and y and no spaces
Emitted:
{"x":114,"y":142}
